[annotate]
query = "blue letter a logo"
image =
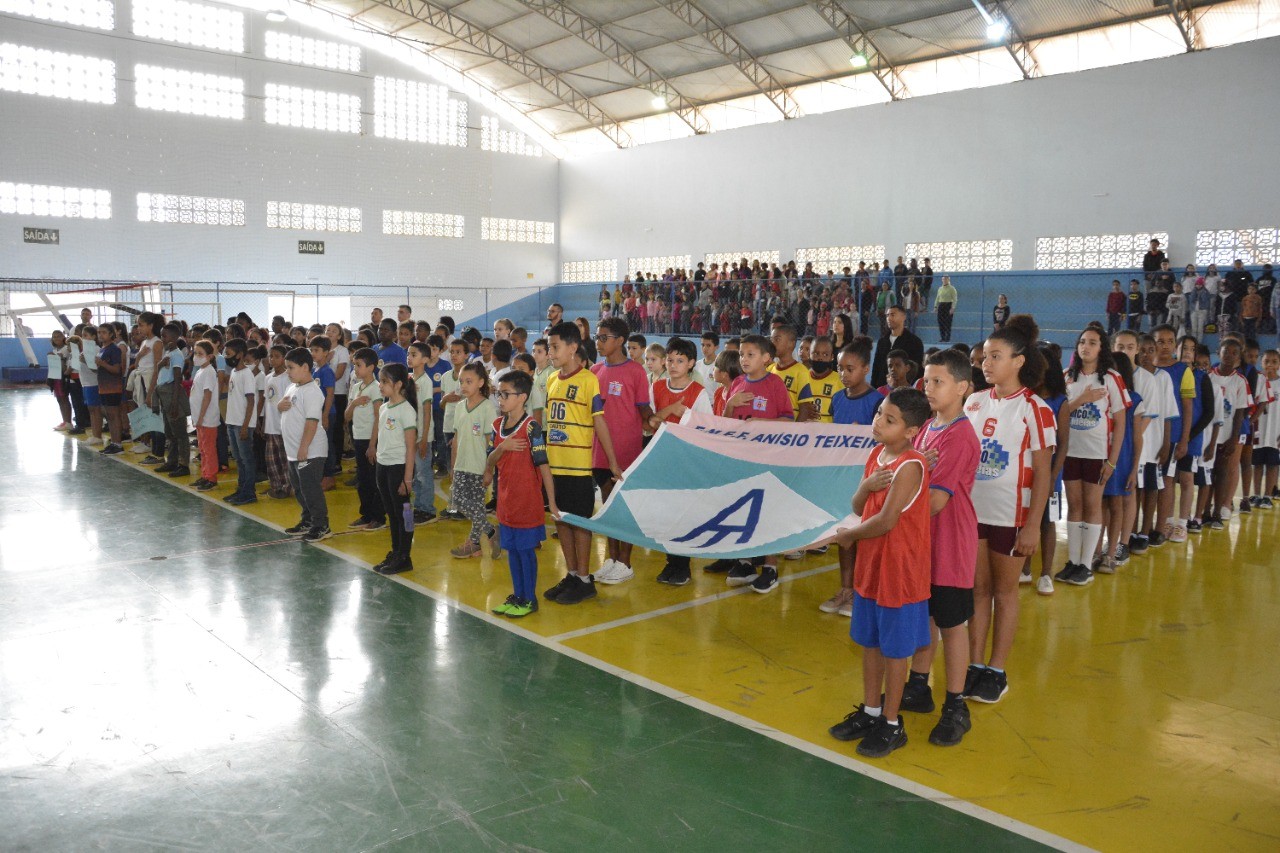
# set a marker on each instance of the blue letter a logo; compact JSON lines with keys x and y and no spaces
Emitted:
{"x":717,"y":527}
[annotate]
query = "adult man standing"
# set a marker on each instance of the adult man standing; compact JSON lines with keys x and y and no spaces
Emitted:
{"x":375,"y":317}
{"x":895,"y":337}
{"x":1236,"y":284}
{"x":1152,"y":260}
{"x":555,"y":315}
{"x":926,"y":279}
{"x":404,"y":314}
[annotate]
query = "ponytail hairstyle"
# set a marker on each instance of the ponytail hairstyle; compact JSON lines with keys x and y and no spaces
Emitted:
{"x":1122,"y":365}
{"x":1106,"y":360}
{"x":1031,"y":374}
{"x":486,"y":390}
{"x":397,"y":372}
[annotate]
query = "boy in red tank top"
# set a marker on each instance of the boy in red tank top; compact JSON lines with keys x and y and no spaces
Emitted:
{"x":891,"y":571}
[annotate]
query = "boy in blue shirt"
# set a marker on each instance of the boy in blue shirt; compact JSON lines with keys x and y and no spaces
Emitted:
{"x":437,"y":366}
{"x":323,"y":374}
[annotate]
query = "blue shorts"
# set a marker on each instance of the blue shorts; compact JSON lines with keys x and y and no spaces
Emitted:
{"x":91,"y":397}
{"x":896,"y":631}
{"x":521,"y":538}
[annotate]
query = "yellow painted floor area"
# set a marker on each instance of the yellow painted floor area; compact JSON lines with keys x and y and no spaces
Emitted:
{"x":1142,"y":711}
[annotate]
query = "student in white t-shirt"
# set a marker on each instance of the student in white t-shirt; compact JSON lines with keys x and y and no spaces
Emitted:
{"x":704,"y":369}
{"x":242,"y":414}
{"x":1266,"y":439}
{"x":395,"y":447}
{"x":1237,"y":398}
{"x":84,"y":357}
{"x":340,"y":363}
{"x":305,"y":445}
{"x":205,"y":414}
{"x":362,"y":414}
{"x":1097,"y":400}
{"x":277,"y":383}
{"x":1156,"y":389}
{"x":1017,"y":432}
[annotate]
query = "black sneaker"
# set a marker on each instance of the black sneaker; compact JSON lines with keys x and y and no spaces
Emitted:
{"x":1122,"y":555}
{"x":719,"y":567}
{"x":1138,"y":544}
{"x":1082,"y":576}
{"x":1245,"y":506}
{"x":883,"y":739}
{"x":1194,"y":526}
{"x":576,"y":591}
{"x":151,"y":460}
{"x":767,"y":581}
{"x":664,"y":576}
{"x":1215,"y":523}
{"x":164,"y":468}
{"x":179,"y":472}
{"x":917,"y":698}
{"x":376,"y":524}
{"x":378,"y":567}
{"x":677,"y":575}
{"x":421,"y":516}
{"x":991,"y":686}
{"x":316,"y":534}
{"x":855,"y":725}
{"x":206,"y":486}
{"x":1066,"y":572}
{"x":298,"y":530}
{"x":112,"y":450}
{"x":971,"y":679}
{"x":394,"y":566}
{"x":1157,"y":539}
{"x":554,"y":593}
{"x":954,"y":723}
{"x":453,"y":515}
{"x":742,"y":574}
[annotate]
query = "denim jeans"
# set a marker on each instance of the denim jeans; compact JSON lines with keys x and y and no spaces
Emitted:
{"x":424,"y":485}
{"x":246,"y":462}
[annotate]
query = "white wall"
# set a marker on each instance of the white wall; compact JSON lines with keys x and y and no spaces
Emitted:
{"x":1177,"y":145}
{"x":128,"y":150}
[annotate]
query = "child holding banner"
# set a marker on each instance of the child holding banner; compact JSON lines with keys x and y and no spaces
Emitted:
{"x":575,"y":417}
{"x":952,"y":448}
{"x":758,"y":394}
{"x":891,"y":595}
{"x":857,"y":403}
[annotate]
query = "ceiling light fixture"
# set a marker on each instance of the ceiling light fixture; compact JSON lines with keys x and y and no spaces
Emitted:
{"x":858,"y":60}
{"x":658,"y":102}
{"x":997,"y":27}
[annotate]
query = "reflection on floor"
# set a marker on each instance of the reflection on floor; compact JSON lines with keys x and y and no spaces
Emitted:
{"x":173,"y":672}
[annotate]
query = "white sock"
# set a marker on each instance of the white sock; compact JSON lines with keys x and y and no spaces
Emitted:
{"x":871,"y":712}
{"x":1092,"y":533}
{"x":1075,"y":537}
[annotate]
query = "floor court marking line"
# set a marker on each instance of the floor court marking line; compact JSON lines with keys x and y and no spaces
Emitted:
{"x":684,"y":605}
{"x":924,"y":792}
{"x":161,"y":558}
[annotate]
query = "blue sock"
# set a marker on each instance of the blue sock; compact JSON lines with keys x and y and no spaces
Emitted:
{"x":517,"y":576}
{"x":529,"y":566}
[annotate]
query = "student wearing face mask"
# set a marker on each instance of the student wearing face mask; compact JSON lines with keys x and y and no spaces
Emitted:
{"x":823,"y":379}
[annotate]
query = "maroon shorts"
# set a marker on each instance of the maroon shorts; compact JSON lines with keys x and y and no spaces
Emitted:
{"x":1089,"y":470}
{"x":1001,"y":540}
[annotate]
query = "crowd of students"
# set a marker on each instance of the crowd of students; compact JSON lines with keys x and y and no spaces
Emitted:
{"x":1143,"y":437}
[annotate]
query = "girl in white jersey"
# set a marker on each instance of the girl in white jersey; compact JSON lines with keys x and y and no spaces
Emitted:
{"x":1018,"y":433}
{"x":1266,"y":457}
{"x":1097,"y":399}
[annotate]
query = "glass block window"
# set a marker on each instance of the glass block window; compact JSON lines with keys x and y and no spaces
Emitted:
{"x":1251,"y":245}
{"x":175,"y":91}
{"x":658,"y":264}
{"x":1096,"y":251}
{"x":416,"y":223}
{"x":189,"y":23}
{"x":57,"y":75}
{"x":190,"y":209}
{"x":296,"y":107}
{"x":723,"y":258}
{"x":517,"y":230}
{"x":963,"y":255}
{"x":580,"y":271}
{"x":418,"y":112}
{"x":837,"y":258}
{"x":305,"y":51}
{"x":494,"y":138}
{"x":41,"y":200}
{"x":99,"y":14}
{"x":313,"y":217}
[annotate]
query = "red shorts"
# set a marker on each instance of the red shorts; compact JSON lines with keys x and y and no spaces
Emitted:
{"x":1001,"y":540}
{"x":1089,"y":470}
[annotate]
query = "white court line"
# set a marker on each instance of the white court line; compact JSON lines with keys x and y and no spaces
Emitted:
{"x":684,"y":605}
{"x":924,"y":792}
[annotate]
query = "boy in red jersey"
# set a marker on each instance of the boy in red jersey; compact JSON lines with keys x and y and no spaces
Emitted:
{"x":673,"y":395}
{"x":891,"y":572}
{"x":520,"y":454}
{"x":757,"y":393}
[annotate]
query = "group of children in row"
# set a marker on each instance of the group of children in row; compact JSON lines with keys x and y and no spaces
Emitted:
{"x":971,"y":452}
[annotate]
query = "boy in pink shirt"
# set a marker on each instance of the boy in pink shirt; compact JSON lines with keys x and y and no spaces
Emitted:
{"x":953,"y":450}
{"x":757,"y":394}
{"x":624,"y":387}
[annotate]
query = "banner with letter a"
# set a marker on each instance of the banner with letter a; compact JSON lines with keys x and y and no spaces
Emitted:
{"x":713,"y":487}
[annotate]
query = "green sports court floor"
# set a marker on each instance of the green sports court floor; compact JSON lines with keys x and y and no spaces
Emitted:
{"x":175,"y":676}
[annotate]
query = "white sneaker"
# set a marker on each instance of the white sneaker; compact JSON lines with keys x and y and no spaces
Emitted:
{"x":1025,"y":578}
{"x":614,"y":572}
{"x":794,"y":555}
{"x":1044,"y":586}
{"x":1224,"y":513}
{"x":91,"y":441}
{"x":837,"y":602}
{"x":139,"y":447}
{"x":1178,"y":534}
